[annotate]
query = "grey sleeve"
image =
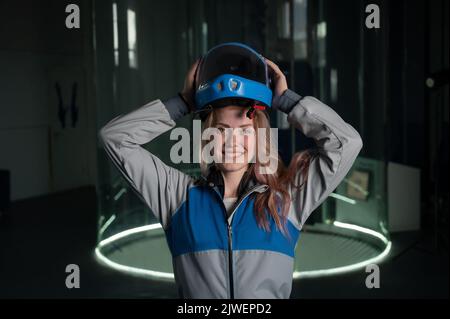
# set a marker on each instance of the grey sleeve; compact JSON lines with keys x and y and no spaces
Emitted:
{"x":176,"y":107}
{"x":286,"y":101}
{"x":161,"y":187}
{"x":338,"y":145}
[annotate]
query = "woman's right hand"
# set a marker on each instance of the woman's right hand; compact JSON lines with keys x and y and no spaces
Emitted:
{"x":188,"y":91}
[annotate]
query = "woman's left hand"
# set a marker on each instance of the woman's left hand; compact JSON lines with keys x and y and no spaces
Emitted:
{"x":278,"y":77}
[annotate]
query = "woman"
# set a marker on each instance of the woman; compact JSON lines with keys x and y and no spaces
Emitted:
{"x":232,"y":232}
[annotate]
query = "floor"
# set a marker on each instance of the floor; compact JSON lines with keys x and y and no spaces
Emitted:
{"x":39,"y":237}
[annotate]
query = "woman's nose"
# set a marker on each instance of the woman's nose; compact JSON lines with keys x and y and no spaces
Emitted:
{"x":232,"y":137}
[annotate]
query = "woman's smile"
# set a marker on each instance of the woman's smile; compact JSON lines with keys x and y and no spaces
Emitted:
{"x":233,"y":153}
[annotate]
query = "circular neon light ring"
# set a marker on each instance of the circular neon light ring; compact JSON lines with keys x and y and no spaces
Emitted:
{"x":296,"y":275}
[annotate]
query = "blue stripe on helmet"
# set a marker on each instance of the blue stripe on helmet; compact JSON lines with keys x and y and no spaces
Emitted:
{"x":232,"y":86}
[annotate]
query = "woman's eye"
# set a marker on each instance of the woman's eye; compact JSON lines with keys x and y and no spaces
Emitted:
{"x":247,"y":130}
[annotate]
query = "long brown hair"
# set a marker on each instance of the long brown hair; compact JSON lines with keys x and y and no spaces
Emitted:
{"x":277,"y":195}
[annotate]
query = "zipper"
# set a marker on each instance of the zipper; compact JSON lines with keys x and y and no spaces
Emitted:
{"x":241,"y":200}
{"x":230,"y":246}
{"x":230,"y":240}
{"x":230,"y":260}
{"x":230,"y":234}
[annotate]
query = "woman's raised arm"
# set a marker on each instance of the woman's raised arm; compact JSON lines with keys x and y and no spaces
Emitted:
{"x":338,"y":145}
{"x":161,"y":187}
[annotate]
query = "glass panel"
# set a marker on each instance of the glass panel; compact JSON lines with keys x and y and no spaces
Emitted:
{"x":346,"y":60}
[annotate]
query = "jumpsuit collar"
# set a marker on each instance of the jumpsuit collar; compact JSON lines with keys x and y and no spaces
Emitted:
{"x":215,"y":180}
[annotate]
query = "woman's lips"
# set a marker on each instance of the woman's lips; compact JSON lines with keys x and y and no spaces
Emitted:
{"x":233,"y":154}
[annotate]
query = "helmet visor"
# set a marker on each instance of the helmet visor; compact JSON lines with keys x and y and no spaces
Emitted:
{"x":232,"y":59}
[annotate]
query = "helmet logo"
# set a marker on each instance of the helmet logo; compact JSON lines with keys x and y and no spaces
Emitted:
{"x":203,"y":86}
{"x":234,"y":84}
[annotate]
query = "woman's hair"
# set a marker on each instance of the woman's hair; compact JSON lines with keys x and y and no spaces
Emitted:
{"x":277,"y":193}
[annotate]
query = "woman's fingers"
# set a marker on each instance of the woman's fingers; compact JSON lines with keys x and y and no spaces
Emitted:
{"x":271,"y":64}
{"x":189,"y":90}
{"x":192,"y":69}
{"x":189,"y":82}
{"x":275,"y":69}
{"x":280,"y":82}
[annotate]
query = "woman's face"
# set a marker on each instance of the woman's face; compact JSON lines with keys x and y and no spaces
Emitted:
{"x":237,"y":141}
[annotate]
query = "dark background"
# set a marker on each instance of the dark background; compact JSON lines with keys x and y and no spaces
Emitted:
{"x":56,"y":183}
